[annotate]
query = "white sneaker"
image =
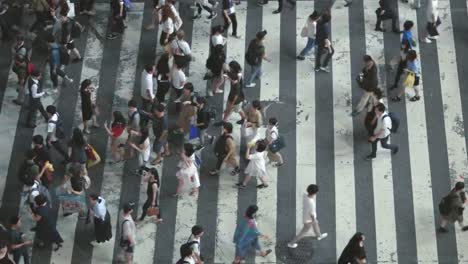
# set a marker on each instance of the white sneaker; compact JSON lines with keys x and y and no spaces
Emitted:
{"x":426,"y":40}
{"x":433,"y":37}
{"x":324,"y":235}
{"x":293,"y":245}
{"x":250,"y":85}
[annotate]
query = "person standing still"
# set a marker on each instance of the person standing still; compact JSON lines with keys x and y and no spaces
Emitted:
{"x":147,"y":87}
{"x":381,"y":132}
{"x":254,"y":56}
{"x":128,"y":233}
{"x":52,"y":127}
{"x":18,"y":246}
{"x":309,"y":216}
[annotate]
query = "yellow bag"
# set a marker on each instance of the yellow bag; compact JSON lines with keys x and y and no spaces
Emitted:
{"x":409,"y":80}
{"x":91,"y":163}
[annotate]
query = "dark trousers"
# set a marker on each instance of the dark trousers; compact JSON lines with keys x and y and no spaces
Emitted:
{"x":318,"y":58}
{"x":401,"y":67}
{"x":234,"y":23}
{"x":34,"y":105}
{"x":280,"y":4}
{"x":22,"y":252}
{"x":163,"y":88}
{"x":383,"y":143}
{"x":56,"y":144}
{"x":219,"y":162}
{"x":385,"y":16}
{"x":200,"y":7}
{"x":55,"y":72}
{"x":41,"y":18}
{"x":147,"y":205}
{"x":118,"y":25}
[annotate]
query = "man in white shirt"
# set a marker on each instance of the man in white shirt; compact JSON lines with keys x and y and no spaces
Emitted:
{"x":381,"y":132}
{"x":128,"y":233}
{"x":195,"y":238}
{"x":34,"y":90}
{"x":147,"y":87}
{"x":180,"y":49}
{"x":178,"y":79}
{"x":309,"y":215}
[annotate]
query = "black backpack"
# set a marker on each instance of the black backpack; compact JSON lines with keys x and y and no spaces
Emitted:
{"x":395,"y":121}
{"x":220,"y":146}
{"x":445,"y":204}
{"x":184,"y":247}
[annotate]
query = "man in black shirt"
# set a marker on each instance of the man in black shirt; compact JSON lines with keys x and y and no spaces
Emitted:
{"x":160,"y":131}
{"x":17,"y":244}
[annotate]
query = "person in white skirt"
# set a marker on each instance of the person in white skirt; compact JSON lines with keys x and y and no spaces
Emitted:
{"x":187,"y":173}
{"x":256,"y":167}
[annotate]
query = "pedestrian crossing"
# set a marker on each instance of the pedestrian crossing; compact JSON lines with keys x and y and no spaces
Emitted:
{"x":397,"y":230}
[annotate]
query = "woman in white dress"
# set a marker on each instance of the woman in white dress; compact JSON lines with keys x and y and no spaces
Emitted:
{"x":256,"y":167}
{"x":187,"y":175}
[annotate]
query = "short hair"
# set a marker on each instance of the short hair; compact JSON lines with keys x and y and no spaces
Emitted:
{"x":408,"y":25}
{"x":228,"y":127}
{"x":13,"y":220}
{"x":94,"y":197}
{"x":38,"y":139}
{"x":459,"y":186}
{"x":180,"y":34}
{"x":51,"y":109}
{"x":189,"y":86}
{"x":132,"y":103}
{"x":251,"y":210}
{"x":412,"y":55}
{"x":201,"y":100}
{"x":256,"y":104}
{"x":312,"y":189}
{"x":188,"y":149}
{"x":186,"y":251}
{"x":197,"y":230}
{"x":261,"y":145}
{"x":40,"y":199}
{"x":149,"y":67}
{"x":36,"y":73}
{"x":273,"y":121}
{"x":381,"y":107}
{"x":367,"y":58}
{"x":158,"y":108}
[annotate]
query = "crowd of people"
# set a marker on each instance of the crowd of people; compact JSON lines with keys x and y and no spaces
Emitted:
{"x":166,"y":84}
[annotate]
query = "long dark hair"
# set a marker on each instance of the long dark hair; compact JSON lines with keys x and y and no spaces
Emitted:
{"x":85,"y":84}
{"x":77,"y":138}
{"x":144,"y":135}
{"x":251,"y":210}
{"x":118,"y":118}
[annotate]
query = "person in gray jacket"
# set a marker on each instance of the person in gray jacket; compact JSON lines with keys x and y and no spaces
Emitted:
{"x":452,"y":206}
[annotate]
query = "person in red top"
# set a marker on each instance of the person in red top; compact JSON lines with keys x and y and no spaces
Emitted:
{"x":115,"y":131}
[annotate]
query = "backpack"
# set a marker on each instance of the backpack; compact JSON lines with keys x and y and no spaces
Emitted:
{"x":395,"y":121}
{"x":58,"y":129}
{"x":445,"y":204}
{"x":184,"y":247}
{"x":220,"y":146}
{"x":253,"y":55}
{"x":144,"y":117}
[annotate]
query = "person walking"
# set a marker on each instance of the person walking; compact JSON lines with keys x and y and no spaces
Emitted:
{"x":215,"y":64}
{"x":88,"y":107}
{"x":151,"y":176}
{"x":18,"y":245}
{"x":236,"y":95}
{"x":21,"y":67}
{"x":76,"y":150}
{"x":188,"y":173}
{"x":147,"y":87}
{"x":102,"y":219}
{"x":324,"y":45}
{"x":163,"y":75}
{"x":451,"y":208}
{"x":271,"y":135}
{"x":354,"y":251}
{"x":229,"y":16}
{"x":385,"y":12}
{"x":433,"y":21}
{"x":71,"y":193}
{"x":34,"y":89}
{"x":178,"y":78}
{"x":167,"y":26}
{"x":404,"y":49}
{"x":128,"y":233}
{"x":119,"y":14}
{"x":46,"y":232}
{"x":280,"y":6}
{"x":247,"y":235}
{"x":143,"y":146}
{"x":116,"y":132}
{"x":256,"y":167}
{"x":54,"y":132}
{"x":309,"y":31}
{"x":251,"y":121}
{"x":254,"y":56}
{"x":407,"y":34}
{"x":368,"y":81}
{"x":160,"y":133}
{"x":309,"y":216}
{"x":202,"y":4}
{"x":225,"y":151}
{"x":57,"y":58}
{"x":195,"y":240}
{"x":381,"y":132}
{"x":412,"y":78}
{"x":180,"y":49}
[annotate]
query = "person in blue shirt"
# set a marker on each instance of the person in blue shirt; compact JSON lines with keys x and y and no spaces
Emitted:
{"x":407,"y":34}
{"x":56,"y":61}
{"x":412,"y":67}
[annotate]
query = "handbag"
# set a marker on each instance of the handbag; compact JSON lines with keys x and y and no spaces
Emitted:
{"x":409,"y":80}
{"x":89,"y":152}
{"x":152,"y":211}
{"x":277,"y":144}
{"x":91,"y":163}
{"x":304,"y":32}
